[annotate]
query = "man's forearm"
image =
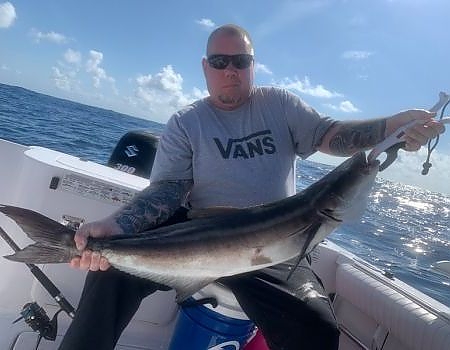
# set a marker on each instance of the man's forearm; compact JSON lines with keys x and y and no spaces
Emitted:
{"x":153,"y":205}
{"x":346,"y":138}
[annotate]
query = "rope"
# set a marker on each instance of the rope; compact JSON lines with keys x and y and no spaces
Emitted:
{"x":432,"y":145}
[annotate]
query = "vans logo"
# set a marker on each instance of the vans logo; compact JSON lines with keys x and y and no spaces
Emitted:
{"x":259,"y":143}
{"x":131,"y":151}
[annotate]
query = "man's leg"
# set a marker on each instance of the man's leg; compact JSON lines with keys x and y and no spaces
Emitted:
{"x":108,"y":302}
{"x":291,"y":314}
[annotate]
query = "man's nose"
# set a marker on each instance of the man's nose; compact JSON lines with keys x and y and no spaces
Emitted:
{"x":230,"y":70}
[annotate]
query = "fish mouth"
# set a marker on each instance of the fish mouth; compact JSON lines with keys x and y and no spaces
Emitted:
{"x":367,"y":167}
{"x":373,"y":165}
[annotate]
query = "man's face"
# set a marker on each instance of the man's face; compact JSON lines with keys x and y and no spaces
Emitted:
{"x":229,"y":88}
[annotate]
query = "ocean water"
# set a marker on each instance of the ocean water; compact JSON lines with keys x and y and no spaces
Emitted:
{"x":404,"y":229}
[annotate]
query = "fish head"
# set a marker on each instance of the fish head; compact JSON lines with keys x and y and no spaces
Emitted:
{"x":345,"y":190}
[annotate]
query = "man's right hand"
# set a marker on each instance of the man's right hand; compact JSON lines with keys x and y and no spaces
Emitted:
{"x":89,"y":260}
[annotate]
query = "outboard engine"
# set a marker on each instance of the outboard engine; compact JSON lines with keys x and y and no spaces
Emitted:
{"x":135,"y":153}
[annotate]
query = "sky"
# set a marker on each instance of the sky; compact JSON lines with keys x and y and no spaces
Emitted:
{"x":349,"y":59}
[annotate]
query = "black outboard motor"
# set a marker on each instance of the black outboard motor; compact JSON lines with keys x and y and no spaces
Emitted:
{"x":135,"y":153}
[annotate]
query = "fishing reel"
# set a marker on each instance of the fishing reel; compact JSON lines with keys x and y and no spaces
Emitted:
{"x":36,"y":317}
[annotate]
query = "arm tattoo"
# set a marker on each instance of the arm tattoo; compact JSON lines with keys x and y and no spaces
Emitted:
{"x":351,"y":137}
{"x":153,"y":205}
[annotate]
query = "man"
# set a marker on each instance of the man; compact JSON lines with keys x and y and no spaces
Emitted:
{"x":235,"y":148}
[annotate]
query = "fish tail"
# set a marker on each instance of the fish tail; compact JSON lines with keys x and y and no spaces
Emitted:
{"x":54,"y":241}
{"x":39,"y":253}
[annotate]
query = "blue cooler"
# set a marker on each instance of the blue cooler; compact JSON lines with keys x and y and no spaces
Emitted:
{"x":202,"y":327}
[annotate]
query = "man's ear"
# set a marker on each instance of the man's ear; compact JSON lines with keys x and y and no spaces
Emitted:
{"x":204,"y":65}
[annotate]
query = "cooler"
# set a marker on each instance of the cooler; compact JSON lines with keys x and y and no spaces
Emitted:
{"x":204,"y":327}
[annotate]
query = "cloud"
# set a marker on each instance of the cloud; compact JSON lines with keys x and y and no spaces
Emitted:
{"x":72,"y":56}
{"x":68,"y":73}
{"x":304,"y":86}
{"x":52,"y":37}
{"x":97,"y":72}
{"x":345,"y":106}
{"x":7,"y":14}
{"x":65,"y":74}
{"x":407,"y":169}
{"x":206,"y":23}
{"x":161,"y":94}
{"x":4,"y":67}
{"x":262,"y":68}
{"x":356,"y":55}
{"x":65,"y":79}
{"x":287,"y":13}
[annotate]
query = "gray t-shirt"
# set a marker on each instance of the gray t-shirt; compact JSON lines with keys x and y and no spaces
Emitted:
{"x":242,"y":157}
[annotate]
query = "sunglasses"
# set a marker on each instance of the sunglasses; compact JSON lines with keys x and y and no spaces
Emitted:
{"x":241,"y":61}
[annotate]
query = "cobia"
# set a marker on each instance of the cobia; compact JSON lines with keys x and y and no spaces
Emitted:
{"x":189,"y":255}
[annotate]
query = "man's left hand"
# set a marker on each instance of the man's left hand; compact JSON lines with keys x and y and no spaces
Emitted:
{"x":419,"y":134}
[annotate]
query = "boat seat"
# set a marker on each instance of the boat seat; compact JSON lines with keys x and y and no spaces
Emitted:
{"x":382,"y":318}
{"x":150,"y":328}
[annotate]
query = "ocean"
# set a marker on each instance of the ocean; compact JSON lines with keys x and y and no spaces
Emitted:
{"x":404,"y":229}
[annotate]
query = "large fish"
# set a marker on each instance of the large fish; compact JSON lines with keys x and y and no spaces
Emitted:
{"x":189,"y":255}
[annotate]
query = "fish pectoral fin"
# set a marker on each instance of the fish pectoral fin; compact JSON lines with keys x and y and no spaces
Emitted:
{"x":305,"y":229}
{"x":184,"y":286}
{"x":187,"y":288}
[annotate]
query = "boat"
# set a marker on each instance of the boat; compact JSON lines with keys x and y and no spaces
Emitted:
{"x":374,"y":309}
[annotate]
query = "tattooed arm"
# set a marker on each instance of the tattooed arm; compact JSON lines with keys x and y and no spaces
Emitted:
{"x":346,"y":138}
{"x":152,"y":206}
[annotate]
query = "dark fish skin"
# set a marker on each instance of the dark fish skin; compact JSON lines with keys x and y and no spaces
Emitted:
{"x":189,"y":255}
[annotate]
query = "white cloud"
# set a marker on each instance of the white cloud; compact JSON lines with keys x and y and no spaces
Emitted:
{"x":65,"y":79}
{"x":288,"y":13}
{"x":262,"y":68}
{"x":68,"y":75}
{"x":206,"y":23}
{"x":162,"y":94}
{"x":4,"y":67}
{"x":407,"y":169}
{"x":65,"y":74}
{"x":304,"y":86}
{"x":356,"y":55}
{"x":345,"y":106}
{"x":72,"y":56}
{"x":53,"y":37}
{"x":97,"y":72}
{"x":7,"y":14}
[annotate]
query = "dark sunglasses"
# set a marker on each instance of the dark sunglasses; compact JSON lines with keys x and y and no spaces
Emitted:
{"x":240,"y":61}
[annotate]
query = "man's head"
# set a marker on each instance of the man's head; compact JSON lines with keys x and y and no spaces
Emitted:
{"x":228,"y":66}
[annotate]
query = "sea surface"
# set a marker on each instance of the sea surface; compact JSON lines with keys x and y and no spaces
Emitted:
{"x":404,"y":230}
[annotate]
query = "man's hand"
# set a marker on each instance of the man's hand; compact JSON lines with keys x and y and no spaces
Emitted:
{"x":419,"y":134}
{"x":90,"y":260}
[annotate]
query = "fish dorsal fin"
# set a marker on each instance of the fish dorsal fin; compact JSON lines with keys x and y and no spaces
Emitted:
{"x":211,"y":211}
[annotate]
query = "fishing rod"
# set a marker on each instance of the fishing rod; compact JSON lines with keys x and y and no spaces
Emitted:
{"x":32,"y":313}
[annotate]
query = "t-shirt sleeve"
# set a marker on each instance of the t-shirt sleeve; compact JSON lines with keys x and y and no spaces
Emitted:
{"x":306,"y":125}
{"x":173,"y":159}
